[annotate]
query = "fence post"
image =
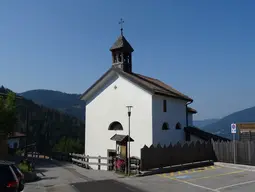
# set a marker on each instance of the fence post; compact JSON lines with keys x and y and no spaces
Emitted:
{"x":99,"y":161}
{"x":87,"y":161}
{"x":249,"y":152}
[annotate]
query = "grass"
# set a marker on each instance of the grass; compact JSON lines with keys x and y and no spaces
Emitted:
{"x":24,"y":167}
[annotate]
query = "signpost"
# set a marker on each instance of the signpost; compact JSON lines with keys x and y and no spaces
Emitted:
{"x":233,"y":131}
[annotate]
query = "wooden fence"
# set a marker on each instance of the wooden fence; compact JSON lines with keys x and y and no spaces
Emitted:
{"x":86,"y":161}
{"x":245,"y":152}
{"x":159,"y":157}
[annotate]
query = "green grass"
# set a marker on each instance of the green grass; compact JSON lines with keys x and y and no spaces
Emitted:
{"x":24,"y":167}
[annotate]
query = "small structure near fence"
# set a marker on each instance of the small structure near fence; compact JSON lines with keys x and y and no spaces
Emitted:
{"x":159,"y":157}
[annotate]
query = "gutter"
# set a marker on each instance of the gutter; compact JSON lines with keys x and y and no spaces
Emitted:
{"x":187,"y":120}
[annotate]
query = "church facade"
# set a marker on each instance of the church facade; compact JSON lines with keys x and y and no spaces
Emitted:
{"x":158,"y":116}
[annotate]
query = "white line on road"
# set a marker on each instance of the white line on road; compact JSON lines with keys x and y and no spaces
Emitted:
{"x":237,"y":184}
{"x":195,"y":185}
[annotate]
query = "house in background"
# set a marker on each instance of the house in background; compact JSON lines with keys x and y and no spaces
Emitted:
{"x":16,"y":140}
{"x":158,"y":116}
{"x":245,"y":131}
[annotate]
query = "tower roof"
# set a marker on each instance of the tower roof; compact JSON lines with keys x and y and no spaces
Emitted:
{"x":123,"y":44}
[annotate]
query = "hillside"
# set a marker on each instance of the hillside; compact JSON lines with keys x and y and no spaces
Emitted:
{"x":222,"y":127}
{"x":205,"y":122}
{"x":67,"y":103}
{"x":46,"y":126}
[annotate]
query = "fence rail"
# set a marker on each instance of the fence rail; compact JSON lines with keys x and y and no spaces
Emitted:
{"x":85,"y":160}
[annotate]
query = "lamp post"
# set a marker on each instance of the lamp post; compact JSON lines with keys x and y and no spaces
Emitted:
{"x":129,"y":115}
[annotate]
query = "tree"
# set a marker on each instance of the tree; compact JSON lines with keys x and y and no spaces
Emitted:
{"x":68,"y":145}
{"x":8,"y":117}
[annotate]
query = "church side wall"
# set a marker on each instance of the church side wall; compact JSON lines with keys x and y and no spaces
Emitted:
{"x":190,"y":119}
{"x":109,"y":105}
{"x":176,"y":112}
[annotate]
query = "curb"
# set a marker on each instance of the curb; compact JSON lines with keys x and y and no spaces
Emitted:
{"x":236,"y":166}
{"x":175,"y":168}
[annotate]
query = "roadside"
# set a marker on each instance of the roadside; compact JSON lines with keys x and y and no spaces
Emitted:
{"x":66,"y":177}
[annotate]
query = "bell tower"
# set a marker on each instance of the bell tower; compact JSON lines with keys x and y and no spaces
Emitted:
{"x":122,"y":52}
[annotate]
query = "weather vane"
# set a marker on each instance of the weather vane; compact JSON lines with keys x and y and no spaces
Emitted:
{"x":121,"y":25}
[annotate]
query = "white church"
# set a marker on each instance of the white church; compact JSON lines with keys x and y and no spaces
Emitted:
{"x":159,"y":113}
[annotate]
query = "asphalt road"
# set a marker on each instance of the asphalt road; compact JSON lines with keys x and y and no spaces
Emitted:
{"x":208,"y":179}
{"x":105,"y":185}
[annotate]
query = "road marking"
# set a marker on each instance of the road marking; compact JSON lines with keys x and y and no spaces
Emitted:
{"x":198,"y":170}
{"x":206,"y":177}
{"x":195,"y":185}
{"x":237,"y":184}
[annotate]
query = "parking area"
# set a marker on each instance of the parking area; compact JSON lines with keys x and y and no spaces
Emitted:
{"x":212,"y":178}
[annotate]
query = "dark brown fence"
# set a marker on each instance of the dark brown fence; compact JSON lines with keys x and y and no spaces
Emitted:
{"x":245,"y":152}
{"x":158,"y":157}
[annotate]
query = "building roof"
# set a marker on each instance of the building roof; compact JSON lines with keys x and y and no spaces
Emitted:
{"x":121,"y":138}
{"x":203,"y":134}
{"x":16,"y":135}
{"x":246,"y":126}
{"x":191,"y":110}
{"x":123,"y":44}
{"x":152,"y":85}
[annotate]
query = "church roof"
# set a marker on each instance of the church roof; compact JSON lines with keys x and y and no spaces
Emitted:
{"x":191,"y":110}
{"x":152,"y":85}
{"x":203,"y":134}
{"x":122,"y":43}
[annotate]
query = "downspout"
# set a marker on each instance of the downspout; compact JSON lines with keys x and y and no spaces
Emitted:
{"x":187,"y":120}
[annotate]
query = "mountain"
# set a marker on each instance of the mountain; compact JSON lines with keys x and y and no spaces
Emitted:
{"x":67,"y":103}
{"x":45,"y":125}
{"x":203,"y":123}
{"x":222,"y":127}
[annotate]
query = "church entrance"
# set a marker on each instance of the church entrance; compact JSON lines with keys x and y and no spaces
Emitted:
{"x":111,"y":153}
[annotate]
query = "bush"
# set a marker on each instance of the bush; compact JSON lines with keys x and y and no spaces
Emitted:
{"x":25,"y":166}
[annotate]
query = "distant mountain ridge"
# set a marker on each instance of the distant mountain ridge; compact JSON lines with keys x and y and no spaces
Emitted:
{"x":222,"y":127}
{"x":203,"y":123}
{"x":65,"y":102}
{"x":45,"y":125}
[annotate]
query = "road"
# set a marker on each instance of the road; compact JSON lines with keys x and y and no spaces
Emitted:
{"x":70,"y":178}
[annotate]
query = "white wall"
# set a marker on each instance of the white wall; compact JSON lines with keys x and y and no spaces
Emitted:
{"x":176,"y":112}
{"x":190,"y":119}
{"x":110,"y":105}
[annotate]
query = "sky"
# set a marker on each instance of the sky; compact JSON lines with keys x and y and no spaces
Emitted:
{"x":203,"y":48}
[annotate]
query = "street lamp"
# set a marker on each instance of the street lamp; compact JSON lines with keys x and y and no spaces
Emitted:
{"x":129,"y":115}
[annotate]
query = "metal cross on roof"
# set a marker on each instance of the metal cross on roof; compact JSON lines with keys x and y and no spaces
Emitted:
{"x":121,"y":25}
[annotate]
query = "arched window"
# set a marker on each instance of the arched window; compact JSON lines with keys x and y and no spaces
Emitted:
{"x":115,"y":126}
{"x":178,"y":126}
{"x":165,"y":126}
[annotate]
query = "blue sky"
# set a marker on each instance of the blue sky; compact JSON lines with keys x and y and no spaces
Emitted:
{"x":203,"y":48}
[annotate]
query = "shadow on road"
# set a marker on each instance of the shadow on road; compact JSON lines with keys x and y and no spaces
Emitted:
{"x":105,"y":185}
